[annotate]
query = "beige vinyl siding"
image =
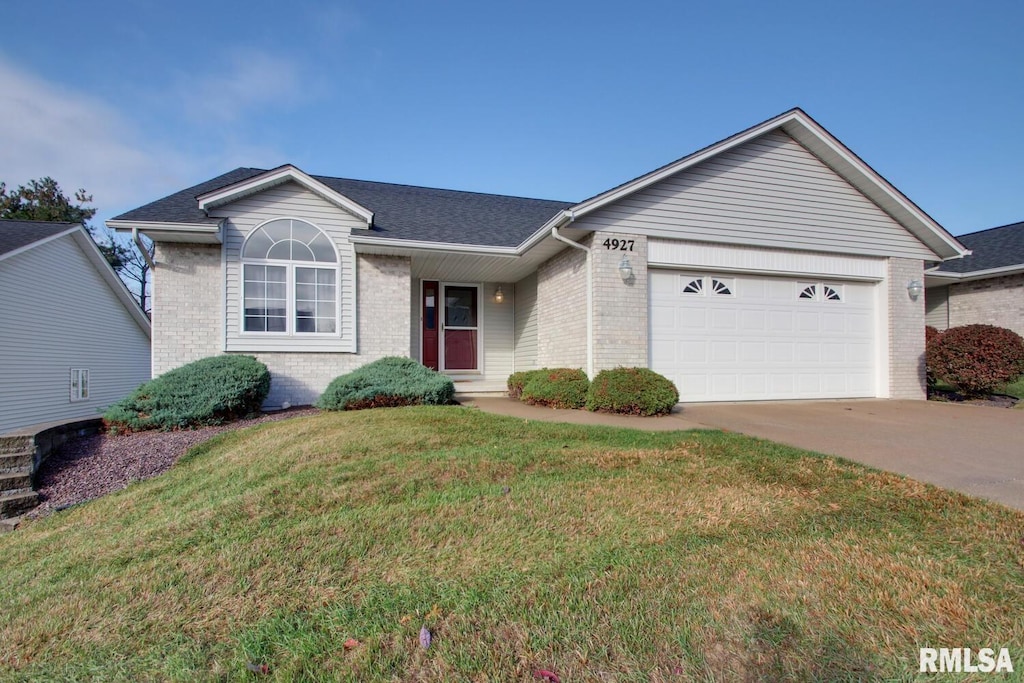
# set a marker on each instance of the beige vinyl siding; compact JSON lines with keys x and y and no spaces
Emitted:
{"x":60,"y":314}
{"x":497,"y":329}
{"x":289,"y":200}
{"x":768,"y":192}
{"x":936,"y":300}
{"x":526,"y":323}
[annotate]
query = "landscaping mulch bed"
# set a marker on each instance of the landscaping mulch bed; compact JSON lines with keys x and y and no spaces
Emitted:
{"x":992,"y":400}
{"x":92,"y":466}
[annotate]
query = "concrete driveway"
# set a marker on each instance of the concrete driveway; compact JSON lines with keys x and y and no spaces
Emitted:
{"x":974,"y":449}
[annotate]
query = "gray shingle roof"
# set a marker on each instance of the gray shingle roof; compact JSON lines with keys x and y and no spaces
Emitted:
{"x":400,"y":212}
{"x":993,"y":248}
{"x":15,"y":234}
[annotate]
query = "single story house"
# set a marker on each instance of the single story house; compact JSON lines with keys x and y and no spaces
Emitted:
{"x":74,"y":340}
{"x":986,"y":287}
{"x":774,"y":264}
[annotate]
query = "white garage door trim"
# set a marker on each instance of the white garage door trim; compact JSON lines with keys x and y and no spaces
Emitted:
{"x":743,"y":336}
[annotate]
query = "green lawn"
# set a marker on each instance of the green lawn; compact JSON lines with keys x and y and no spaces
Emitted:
{"x":596,"y":553}
{"x":1016,"y":389}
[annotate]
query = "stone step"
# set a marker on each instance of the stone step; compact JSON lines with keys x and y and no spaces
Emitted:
{"x":15,"y":504}
{"x":16,"y":444}
{"x":14,"y":481}
{"x":16,"y":462}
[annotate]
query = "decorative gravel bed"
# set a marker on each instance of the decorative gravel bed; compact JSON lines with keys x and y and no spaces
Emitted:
{"x":93,"y":466}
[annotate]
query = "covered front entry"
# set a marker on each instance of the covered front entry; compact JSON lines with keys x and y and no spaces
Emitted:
{"x":737,"y":337}
{"x":451,"y":326}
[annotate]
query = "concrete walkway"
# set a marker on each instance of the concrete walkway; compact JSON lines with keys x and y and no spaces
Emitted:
{"x":973,"y":449}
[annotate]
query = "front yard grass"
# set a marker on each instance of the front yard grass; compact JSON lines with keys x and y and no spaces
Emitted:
{"x":595,"y":553}
{"x":1015,"y":389}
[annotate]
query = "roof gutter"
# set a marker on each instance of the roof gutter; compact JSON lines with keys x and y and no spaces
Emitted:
{"x":975,"y":274}
{"x":568,"y":216}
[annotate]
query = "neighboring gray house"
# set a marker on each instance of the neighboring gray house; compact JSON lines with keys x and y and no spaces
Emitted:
{"x":774,"y":264}
{"x":986,"y":287}
{"x":73,"y":338}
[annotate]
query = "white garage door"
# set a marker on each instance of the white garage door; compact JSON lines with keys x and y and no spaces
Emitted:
{"x":740,"y":337}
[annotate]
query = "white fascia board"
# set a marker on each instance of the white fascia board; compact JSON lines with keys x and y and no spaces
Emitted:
{"x":558,"y":220}
{"x":976,"y":274}
{"x":686,"y":162}
{"x":276,"y":177}
{"x":435,"y":247}
{"x":93,"y":253}
{"x":798,"y":125}
{"x":153,"y":226}
{"x":38,"y":243}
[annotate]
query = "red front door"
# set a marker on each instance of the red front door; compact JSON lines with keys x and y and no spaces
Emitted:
{"x":430,"y":324}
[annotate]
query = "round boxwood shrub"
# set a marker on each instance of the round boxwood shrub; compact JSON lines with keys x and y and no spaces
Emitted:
{"x":518,"y":380}
{"x":632,"y":391}
{"x":387,"y":383}
{"x":557,"y":388}
{"x":206,"y":392}
{"x":976,"y":358}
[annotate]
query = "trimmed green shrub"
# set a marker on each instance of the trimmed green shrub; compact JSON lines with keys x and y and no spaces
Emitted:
{"x":632,"y":391}
{"x":387,"y":383}
{"x":518,"y":380}
{"x":976,"y":358}
{"x":206,"y":392}
{"x":557,"y":388}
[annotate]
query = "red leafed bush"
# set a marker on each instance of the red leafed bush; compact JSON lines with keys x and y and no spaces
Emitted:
{"x":976,"y":358}
{"x":930,"y":334}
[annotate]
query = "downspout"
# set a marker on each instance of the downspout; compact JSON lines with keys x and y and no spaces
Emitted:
{"x":142,"y":249}
{"x":590,"y":290}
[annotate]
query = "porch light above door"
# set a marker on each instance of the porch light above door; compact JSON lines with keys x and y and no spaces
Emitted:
{"x":499,"y":295}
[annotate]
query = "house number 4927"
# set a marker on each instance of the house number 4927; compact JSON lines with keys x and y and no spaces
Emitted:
{"x":616,"y":244}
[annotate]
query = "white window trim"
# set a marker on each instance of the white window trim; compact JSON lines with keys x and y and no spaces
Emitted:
{"x":78,"y":386}
{"x":289,"y":266}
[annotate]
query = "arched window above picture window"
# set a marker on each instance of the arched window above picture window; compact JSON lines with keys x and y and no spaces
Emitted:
{"x":289,"y":239}
{"x":289,"y":280}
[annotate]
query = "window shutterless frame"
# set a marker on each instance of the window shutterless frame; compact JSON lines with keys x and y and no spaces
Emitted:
{"x":290,"y":281}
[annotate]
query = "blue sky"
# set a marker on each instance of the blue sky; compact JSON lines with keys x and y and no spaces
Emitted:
{"x":559,"y":100}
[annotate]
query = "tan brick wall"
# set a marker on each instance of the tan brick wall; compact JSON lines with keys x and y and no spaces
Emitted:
{"x":994,"y":301}
{"x":906,"y":331}
{"x":562,"y":310}
{"x":188,"y":310}
{"x":188,"y":320}
{"x":620,"y":308}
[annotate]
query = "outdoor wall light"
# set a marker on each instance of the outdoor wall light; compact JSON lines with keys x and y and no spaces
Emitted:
{"x":915,"y":289}
{"x":625,"y":269}
{"x":499,"y":295}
